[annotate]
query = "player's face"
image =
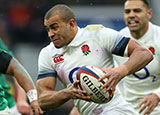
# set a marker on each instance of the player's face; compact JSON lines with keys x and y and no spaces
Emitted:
{"x":59,"y":31}
{"x":136,"y":15}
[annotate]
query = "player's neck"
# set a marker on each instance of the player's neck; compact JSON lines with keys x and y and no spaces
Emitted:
{"x":138,"y":34}
{"x":75,"y":32}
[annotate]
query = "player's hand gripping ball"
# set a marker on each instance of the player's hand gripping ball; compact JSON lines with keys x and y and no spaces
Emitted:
{"x":88,"y":77}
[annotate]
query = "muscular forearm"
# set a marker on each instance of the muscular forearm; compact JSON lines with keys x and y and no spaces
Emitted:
{"x":21,"y":75}
{"x":52,"y":99}
{"x":21,"y":95}
{"x":138,"y":60}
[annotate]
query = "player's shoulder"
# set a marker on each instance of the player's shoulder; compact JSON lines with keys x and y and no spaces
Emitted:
{"x":100,"y":30}
{"x":124,"y":30}
{"x":96,"y":27}
{"x":156,"y":27}
{"x":47,"y":49}
{"x":156,"y":31}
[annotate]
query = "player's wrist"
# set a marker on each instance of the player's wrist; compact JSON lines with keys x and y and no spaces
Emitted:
{"x":123,"y":70}
{"x":157,"y":93}
{"x":32,"y":95}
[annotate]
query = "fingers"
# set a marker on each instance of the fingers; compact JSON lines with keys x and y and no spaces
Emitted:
{"x":41,"y":112}
{"x":78,"y":93}
{"x":76,"y":89}
{"x":149,"y":110}
{"x":141,"y":102}
{"x":110,"y":84}
{"x":31,"y":112}
{"x":144,"y":106}
{"x":35,"y":109}
{"x":75,"y":83}
{"x":148,"y":104}
{"x":107,"y":74}
{"x":38,"y":111}
{"x":84,"y":97}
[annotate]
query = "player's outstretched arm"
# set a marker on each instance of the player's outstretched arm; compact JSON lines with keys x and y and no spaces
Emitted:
{"x":49,"y":98}
{"x":14,"y":68}
{"x":139,"y":57}
{"x":23,"y":78}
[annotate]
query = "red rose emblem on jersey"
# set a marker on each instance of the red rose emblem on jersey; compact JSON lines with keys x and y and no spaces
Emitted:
{"x":152,"y":50}
{"x":85,"y":49}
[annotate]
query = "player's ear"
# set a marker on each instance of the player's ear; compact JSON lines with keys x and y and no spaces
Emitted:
{"x":72,"y":23}
{"x":149,"y":13}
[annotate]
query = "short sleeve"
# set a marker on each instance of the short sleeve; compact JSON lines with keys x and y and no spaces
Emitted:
{"x":5,"y":59}
{"x":45,"y":68}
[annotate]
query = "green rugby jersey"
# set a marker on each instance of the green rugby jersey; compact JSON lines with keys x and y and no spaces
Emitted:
{"x":3,"y":101}
{"x":4,"y":90}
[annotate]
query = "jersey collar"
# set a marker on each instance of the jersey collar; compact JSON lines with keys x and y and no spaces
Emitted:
{"x":78,"y":39}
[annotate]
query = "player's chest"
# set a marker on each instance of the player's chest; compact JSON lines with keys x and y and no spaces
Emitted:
{"x":85,"y":54}
{"x":67,"y":63}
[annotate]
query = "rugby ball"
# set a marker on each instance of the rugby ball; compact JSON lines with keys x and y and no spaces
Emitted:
{"x":88,"y":77}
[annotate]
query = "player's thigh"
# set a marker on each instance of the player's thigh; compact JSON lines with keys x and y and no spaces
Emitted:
{"x":122,"y":108}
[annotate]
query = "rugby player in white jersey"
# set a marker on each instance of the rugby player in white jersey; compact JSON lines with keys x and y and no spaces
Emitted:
{"x":142,"y":88}
{"x":71,"y":48}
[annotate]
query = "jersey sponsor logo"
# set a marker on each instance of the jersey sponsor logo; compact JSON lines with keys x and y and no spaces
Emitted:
{"x":85,"y":49}
{"x":58,"y":59}
{"x":152,"y":50}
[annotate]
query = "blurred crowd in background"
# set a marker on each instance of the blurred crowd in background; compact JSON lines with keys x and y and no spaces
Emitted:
{"x":22,"y":20}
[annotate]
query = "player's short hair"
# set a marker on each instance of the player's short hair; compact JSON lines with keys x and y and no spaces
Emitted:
{"x":146,"y":2}
{"x":62,"y":10}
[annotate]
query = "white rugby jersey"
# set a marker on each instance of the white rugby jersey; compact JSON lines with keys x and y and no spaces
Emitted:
{"x":92,"y":45}
{"x":146,"y":81}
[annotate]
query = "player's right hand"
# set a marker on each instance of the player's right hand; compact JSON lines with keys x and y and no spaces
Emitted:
{"x":77,"y":93}
{"x":113,"y":78}
{"x":36,"y":110}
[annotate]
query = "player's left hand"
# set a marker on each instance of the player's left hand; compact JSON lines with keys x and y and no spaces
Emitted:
{"x":149,"y":102}
{"x":113,"y":78}
{"x":36,"y":110}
